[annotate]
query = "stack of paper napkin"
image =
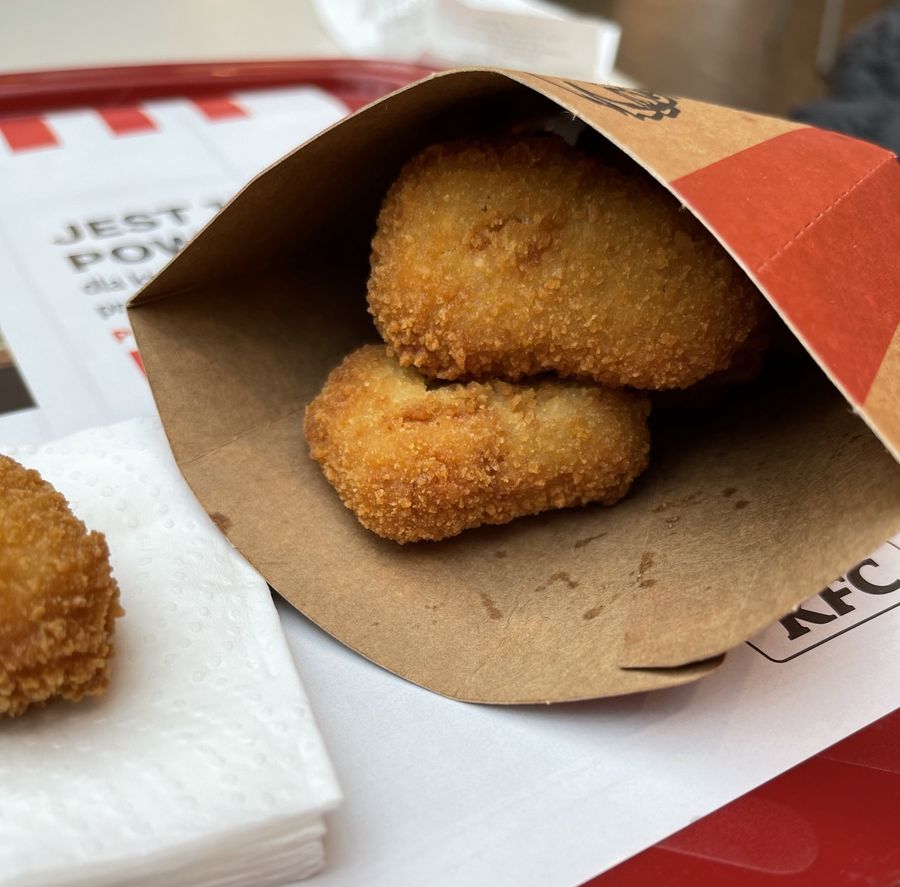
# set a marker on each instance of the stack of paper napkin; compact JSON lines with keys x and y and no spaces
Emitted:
{"x":202,"y":764}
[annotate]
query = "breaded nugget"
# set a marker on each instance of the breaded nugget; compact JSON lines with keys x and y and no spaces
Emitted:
{"x":417,"y":462}
{"x":518,"y":256}
{"x":746,"y":365}
{"x":58,"y":599}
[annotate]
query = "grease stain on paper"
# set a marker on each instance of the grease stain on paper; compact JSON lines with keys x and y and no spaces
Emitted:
{"x":487,"y":602}
{"x":580,"y":543}
{"x":646,"y":564}
{"x":561,"y":577}
{"x":220,"y":520}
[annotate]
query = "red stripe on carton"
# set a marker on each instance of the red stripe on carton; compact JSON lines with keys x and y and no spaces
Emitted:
{"x":831,"y":265}
{"x":27,"y":133}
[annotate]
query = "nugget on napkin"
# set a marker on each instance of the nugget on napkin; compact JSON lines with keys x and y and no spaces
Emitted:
{"x":202,"y":764}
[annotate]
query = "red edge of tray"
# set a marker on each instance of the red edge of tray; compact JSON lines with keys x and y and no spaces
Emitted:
{"x":354,"y":81}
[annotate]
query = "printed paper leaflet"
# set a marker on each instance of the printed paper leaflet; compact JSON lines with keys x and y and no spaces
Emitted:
{"x":90,"y":214}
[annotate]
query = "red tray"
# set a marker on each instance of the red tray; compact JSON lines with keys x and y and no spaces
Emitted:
{"x":828,"y":821}
{"x":356,"y":83}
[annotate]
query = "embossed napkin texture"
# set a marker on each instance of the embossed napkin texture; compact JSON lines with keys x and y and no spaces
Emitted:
{"x":202,"y":764}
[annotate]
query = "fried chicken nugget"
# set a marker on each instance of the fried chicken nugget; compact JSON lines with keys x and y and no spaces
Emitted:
{"x":58,"y":599}
{"x":415,"y":462}
{"x":513,"y":257}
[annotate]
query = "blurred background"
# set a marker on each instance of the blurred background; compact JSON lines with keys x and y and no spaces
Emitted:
{"x":756,"y":54}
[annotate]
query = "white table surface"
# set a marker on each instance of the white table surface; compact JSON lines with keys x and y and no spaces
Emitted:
{"x":50,"y":34}
{"x":41,"y":34}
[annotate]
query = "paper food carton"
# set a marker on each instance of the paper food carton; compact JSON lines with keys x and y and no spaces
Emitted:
{"x":745,"y":510}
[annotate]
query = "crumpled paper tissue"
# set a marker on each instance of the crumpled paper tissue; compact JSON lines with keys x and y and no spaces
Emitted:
{"x":202,"y":763}
{"x":529,"y":35}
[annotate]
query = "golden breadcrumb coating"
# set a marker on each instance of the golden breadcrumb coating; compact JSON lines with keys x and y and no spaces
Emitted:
{"x":58,"y":599}
{"x":746,"y":365}
{"x":513,"y":257}
{"x":414,"y":462}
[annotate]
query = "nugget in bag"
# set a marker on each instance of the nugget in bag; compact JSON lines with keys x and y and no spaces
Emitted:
{"x":416,"y":462}
{"x":514,"y":257}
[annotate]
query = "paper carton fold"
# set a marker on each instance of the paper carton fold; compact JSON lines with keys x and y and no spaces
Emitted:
{"x":746,"y":509}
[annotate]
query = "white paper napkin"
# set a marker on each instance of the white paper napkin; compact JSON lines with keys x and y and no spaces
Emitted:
{"x":531,"y":35}
{"x":202,"y":764}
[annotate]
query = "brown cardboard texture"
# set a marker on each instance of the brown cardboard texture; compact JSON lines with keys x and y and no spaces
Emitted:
{"x":745,"y":511}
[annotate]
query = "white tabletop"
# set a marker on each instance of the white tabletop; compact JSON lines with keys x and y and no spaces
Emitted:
{"x":42,"y":34}
{"x":53,"y":34}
